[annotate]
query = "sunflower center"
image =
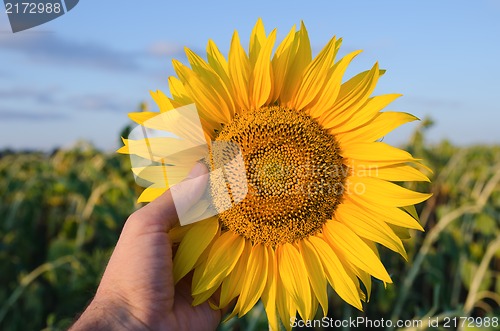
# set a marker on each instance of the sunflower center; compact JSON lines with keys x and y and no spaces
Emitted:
{"x":294,"y":172}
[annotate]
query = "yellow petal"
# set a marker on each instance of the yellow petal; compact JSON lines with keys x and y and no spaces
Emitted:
{"x":269,"y":294}
{"x":367,"y":112}
{"x":124,"y":149}
{"x":327,"y":98}
{"x":176,"y":234}
{"x":178,"y":91}
{"x":231,"y":286}
{"x":257,"y":40}
{"x":399,"y":173}
{"x":368,"y":227}
{"x":381,"y":125}
{"x":209,"y":77}
{"x":350,"y":100}
{"x":315,"y":272}
{"x":254,"y":279}
{"x":182,"y":123}
{"x":142,"y":116}
{"x":354,"y":273}
{"x":372,"y":246}
{"x":162,"y":101}
{"x":261,"y":82}
{"x":210,"y":100}
{"x":294,"y":277}
{"x":286,"y":309}
{"x":383,"y":193}
{"x":315,"y":76}
{"x":314,"y":307}
{"x":193,"y":245}
{"x":376,"y":152}
{"x":198,"y":65}
{"x":374,"y":249}
{"x":162,"y":175}
{"x":151,"y":193}
{"x":389,"y":214}
{"x":220,"y":262}
{"x":200,"y":298}
{"x":401,"y":232}
{"x":239,"y":72}
{"x":356,"y":82}
{"x":299,"y":60}
{"x":366,"y":278}
{"x":143,"y":147}
{"x":354,"y":249}
{"x":218,"y":63}
{"x":165,"y":150}
{"x":281,"y":63}
{"x":337,"y":276}
{"x":412,"y":211}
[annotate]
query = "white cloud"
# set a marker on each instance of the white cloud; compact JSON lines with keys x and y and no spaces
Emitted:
{"x":51,"y":49}
{"x":165,"y":49}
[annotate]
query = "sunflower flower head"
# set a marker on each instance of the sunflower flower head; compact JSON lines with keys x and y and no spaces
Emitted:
{"x":313,"y":192}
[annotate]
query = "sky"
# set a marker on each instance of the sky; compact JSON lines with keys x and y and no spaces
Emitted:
{"x":77,"y":77}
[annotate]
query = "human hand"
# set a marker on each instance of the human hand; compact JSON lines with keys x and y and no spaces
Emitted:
{"x":137,"y":289}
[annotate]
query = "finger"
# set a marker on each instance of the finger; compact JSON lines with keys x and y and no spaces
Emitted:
{"x":188,"y":192}
{"x":164,"y":211}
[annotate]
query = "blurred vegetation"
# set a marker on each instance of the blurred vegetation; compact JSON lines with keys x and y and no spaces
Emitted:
{"x":62,"y":213}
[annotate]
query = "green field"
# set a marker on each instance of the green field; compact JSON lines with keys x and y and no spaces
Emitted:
{"x":61,"y":214}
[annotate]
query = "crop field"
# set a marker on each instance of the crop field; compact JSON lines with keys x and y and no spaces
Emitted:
{"x":61,"y":215}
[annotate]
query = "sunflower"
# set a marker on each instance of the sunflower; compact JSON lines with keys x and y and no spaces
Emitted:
{"x":320,"y":191}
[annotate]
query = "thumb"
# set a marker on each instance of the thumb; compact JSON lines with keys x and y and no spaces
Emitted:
{"x":175,"y":202}
{"x":186,"y":193}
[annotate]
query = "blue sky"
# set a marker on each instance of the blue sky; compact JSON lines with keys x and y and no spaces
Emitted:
{"x":78,"y":76}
